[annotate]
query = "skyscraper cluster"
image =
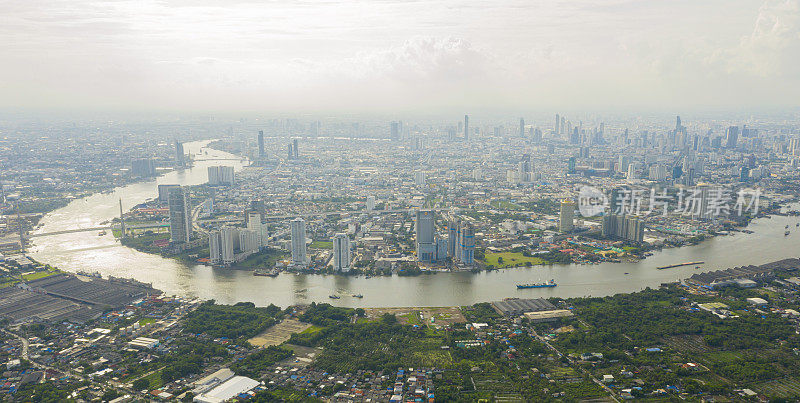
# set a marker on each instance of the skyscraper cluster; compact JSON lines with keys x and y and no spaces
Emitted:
{"x":459,"y":245}
{"x":623,"y":227}
{"x":229,"y":245}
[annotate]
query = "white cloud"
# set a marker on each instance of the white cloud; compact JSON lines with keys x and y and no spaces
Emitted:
{"x":362,"y":55}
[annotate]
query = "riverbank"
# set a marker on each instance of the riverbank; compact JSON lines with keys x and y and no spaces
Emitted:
{"x":103,"y":254}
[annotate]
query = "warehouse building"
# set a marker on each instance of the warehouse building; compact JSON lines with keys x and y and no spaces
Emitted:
{"x":513,"y":307}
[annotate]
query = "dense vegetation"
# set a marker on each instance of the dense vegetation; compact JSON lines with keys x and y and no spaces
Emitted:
{"x":482,"y":312}
{"x":377,"y":345}
{"x":326,"y":314}
{"x":642,"y":319}
{"x":231,"y":321}
{"x":255,"y":364}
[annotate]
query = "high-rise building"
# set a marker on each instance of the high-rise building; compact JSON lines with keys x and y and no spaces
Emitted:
{"x":261,"y":153}
{"x":341,"y":253}
{"x":425,"y":229}
{"x":180,"y":156}
{"x":254,"y":223}
{"x":394,"y":131}
{"x":452,"y":237}
{"x":466,"y":244}
{"x":521,"y":127}
{"x":221,"y":175}
{"x":623,"y":227}
{"x":222,"y":246}
{"x":144,"y":167}
{"x":571,"y":165}
{"x":525,"y":170}
{"x":536,"y":135}
{"x":731,"y":137}
{"x":633,"y":171}
{"x":291,"y":152}
{"x":370,"y":203}
{"x":180,"y":215}
{"x":419,"y":178}
{"x":557,"y":127}
{"x":249,"y":240}
{"x":163,"y":192}
{"x":794,"y":146}
{"x":215,"y":248}
{"x":441,"y":249}
{"x":565,"y":216}
{"x":229,"y":238}
{"x":622,"y":164}
{"x":658,"y":172}
{"x":466,"y":127}
{"x":296,"y":150}
{"x":299,"y":242}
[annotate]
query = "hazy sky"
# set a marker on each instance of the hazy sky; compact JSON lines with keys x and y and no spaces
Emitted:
{"x":393,"y":55}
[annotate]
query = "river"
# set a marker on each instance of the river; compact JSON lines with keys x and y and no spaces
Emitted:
{"x":86,"y":251}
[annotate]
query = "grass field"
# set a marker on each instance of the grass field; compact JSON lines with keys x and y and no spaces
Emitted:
{"x":264,"y":259}
{"x":511,"y":259}
{"x":322,"y":244}
{"x":39,"y":274}
{"x":312,"y":329}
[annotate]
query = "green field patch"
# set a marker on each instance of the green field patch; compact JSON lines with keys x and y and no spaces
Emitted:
{"x":313,"y":329}
{"x":39,"y":274}
{"x":322,"y":244}
{"x":511,"y":259}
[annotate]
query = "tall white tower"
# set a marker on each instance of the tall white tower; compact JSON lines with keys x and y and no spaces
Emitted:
{"x":299,"y":242}
{"x":341,"y":253}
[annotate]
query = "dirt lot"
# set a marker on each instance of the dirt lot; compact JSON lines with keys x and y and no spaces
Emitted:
{"x":279,"y":333}
{"x":442,"y":316}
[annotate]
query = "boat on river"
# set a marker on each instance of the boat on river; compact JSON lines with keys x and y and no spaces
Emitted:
{"x":268,"y":273}
{"x":679,"y":265}
{"x":549,"y":284}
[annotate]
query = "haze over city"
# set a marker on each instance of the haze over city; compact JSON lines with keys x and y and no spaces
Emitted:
{"x":364,"y":201}
{"x":398,"y":56}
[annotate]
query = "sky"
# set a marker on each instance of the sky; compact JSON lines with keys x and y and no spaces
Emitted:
{"x":394,"y":56}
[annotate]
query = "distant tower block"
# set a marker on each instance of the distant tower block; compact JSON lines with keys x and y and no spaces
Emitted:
{"x":565,"y":216}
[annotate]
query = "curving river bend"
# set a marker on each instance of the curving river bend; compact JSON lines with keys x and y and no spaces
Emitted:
{"x":86,"y":251}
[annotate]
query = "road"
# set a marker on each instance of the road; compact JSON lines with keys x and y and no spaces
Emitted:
{"x":610,"y":392}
